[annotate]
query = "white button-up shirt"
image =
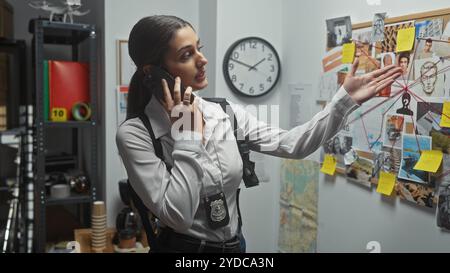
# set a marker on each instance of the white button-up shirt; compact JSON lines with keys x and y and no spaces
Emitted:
{"x":201,"y":168}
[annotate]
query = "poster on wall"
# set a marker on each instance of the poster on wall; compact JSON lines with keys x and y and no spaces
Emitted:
{"x":298,"y":206}
{"x":125,"y":65}
{"x":121,"y":103}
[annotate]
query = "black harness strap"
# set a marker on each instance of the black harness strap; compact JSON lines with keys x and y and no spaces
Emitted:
{"x":143,"y":211}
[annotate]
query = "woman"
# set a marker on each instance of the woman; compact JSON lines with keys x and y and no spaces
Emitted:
{"x":205,"y":161}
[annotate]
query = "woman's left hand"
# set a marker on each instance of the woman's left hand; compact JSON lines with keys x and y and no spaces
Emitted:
{"x":362,"y":88}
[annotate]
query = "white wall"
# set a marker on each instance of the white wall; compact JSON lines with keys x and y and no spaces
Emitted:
{"x":237,"y":19}
{"x":120,"y":17}
{"x":349,"y":215}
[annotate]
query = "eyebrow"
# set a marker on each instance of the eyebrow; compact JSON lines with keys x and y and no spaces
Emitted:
{"x":188,"y":46}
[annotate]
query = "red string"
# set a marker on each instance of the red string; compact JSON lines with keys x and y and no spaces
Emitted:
{"x":434,"y":40}
{"x":443,"y":70}
{"x":377,"y":105}
{"x":382,"y":122}
{"x":417,"y":139}
{"x":367,"y":135}
{"x":428,"y":104}
{"x":418,"y":79}
{"x":376,"y":64}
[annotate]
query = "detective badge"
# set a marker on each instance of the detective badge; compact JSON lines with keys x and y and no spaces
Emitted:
{"x":217,"y":210}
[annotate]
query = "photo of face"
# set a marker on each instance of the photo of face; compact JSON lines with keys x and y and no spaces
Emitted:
{"x":404,"y":62}
{"x":431,"y":77}
{"x":428,"y":45}
{"x":428,"y":77}
{"x":378,"y":27}
{"x":387,"y":59}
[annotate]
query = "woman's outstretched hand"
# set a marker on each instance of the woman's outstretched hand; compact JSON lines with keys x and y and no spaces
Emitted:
{"x":183,"y":114}
{"x":362,"y":88}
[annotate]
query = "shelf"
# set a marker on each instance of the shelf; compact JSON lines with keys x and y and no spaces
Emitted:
{"x":60,"y":162}
{"x":73,"y":199}
{"x":63,"y":33}
{"x":69,"y":124}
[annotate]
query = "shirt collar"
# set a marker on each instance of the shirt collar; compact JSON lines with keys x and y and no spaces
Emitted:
{"x":211,"y":110}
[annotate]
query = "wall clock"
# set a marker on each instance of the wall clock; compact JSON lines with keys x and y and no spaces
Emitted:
{"x":251,"y":67}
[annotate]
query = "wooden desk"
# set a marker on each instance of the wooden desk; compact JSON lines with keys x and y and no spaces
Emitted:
{"x":83,"y":236}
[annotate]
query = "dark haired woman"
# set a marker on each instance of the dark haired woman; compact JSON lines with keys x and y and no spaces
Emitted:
{"x":196,"y":201}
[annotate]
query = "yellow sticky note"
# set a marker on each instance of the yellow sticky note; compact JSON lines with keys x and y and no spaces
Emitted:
{"x":329,"y":165}
{"x":386,"y":183}
{"x":58,"y":114}
{"x":445,"y":119}
{"x":429,"y":161}
{"x":348,"y":53}
{"x":405,"y":39}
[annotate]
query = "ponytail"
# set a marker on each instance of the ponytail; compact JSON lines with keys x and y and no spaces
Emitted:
{"x":138,"y":95}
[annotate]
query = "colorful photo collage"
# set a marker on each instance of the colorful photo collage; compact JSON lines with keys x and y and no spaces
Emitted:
{"x":388,"y":132}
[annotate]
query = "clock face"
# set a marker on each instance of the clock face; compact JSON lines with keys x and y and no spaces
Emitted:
{"x":251,"y":67}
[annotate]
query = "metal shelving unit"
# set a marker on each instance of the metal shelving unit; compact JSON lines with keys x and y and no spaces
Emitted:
{"x":18,"y":136}
{"x":71,"y":35}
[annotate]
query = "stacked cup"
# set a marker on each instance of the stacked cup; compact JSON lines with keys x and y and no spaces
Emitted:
{"x":98,"y":221}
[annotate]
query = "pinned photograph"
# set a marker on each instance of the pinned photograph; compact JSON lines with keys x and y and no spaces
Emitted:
{"x":339,"y":31}
{"x":431,"y":81}
{"x":387,"y":58}
{"x":416,"y":193}
{"x":429,"y":115}
{"x":405,"y":61}
{"x":392,"y":159}
{"x":429,"y":28}
{"x":389,"y":44}
{"x":378,"y":27}
{"x":339,"y":145}
{"x":410,"y":156}
{"x":425,"y":49}
{"x":360,"y":171}
{"x":443,"y":215}
{"x":393,"y":130}
{"x":381,"y":162}
{"x":405,"y":109}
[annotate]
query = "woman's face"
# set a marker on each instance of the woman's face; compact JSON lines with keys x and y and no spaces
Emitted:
{"x":185,"y":60}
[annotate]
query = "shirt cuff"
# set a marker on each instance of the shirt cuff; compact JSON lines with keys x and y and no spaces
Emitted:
{"x":343,"y":102}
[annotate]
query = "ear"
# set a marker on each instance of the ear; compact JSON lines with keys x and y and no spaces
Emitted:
{"x":147,"y":69}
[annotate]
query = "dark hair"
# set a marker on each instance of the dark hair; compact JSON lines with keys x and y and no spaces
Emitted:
{"x":403,"y":55}
{"x":148,"y":44}
{"x":429,"y":41}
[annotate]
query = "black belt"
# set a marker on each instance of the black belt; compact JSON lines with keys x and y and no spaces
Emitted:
{"x":171,"y":241}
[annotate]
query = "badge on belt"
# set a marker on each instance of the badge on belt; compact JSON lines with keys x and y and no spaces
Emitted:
{"x":217,"y":210}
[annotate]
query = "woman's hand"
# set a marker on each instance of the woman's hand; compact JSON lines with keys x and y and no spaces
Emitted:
{"x":181,"y":109}
{"x":362,"y":88}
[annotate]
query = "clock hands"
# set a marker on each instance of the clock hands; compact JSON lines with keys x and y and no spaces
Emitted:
{"x":244,"y":64}
{"x":250,"y":67}
{"x":254,"y":67}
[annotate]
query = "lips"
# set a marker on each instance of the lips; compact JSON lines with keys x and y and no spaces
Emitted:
{"x":201,"y":76}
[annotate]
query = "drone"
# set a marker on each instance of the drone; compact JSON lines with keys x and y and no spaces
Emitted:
{"x":68,"y":10}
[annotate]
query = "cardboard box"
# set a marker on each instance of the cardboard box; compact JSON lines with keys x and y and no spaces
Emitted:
{"x":6,"y":20}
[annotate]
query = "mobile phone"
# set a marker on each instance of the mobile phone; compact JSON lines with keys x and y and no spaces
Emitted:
{"x":158,"y":74}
